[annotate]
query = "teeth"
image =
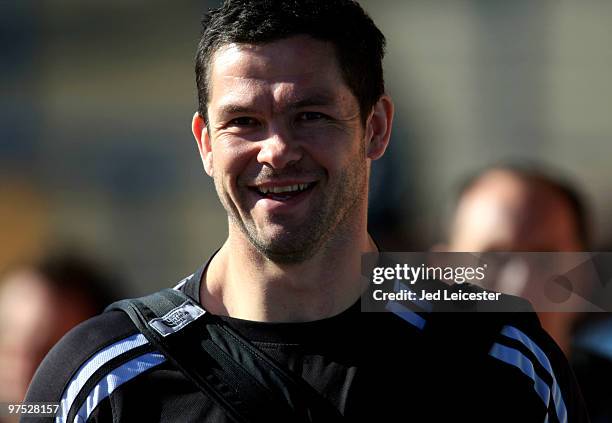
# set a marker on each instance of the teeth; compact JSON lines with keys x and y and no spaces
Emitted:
{"x":288,"y":188}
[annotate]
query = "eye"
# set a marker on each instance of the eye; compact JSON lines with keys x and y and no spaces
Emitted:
{"x":311,"y":116}
{"x":243,"y":121}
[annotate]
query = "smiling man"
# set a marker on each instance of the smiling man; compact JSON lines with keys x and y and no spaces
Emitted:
{"x":292,"y":112}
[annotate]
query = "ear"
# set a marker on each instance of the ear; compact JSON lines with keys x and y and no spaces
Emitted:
{"x":200,"y":132}
{"x":378,"y":127}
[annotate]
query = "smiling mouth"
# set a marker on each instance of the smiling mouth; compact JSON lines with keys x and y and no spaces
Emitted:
{"x":283,"y":192}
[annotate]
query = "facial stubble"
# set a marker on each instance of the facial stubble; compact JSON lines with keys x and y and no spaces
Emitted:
{"x":331,"y":219}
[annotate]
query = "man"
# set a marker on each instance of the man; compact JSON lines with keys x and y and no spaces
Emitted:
{"x":292,"y":111}
{"x":517,"y":208}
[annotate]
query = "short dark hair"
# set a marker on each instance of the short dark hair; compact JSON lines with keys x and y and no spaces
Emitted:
{"x":72,"y":272}
{"x":68,"y":272}
{"x":358,"y":43}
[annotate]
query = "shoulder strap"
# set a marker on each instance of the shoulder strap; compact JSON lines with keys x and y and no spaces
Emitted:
{"x":235,"y":374}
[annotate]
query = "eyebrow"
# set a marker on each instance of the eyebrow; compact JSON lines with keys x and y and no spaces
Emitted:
{"x":231,"y":109}
{"x":313,"y":100}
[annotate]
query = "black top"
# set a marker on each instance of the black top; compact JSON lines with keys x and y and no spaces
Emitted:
{"x":373,"y":367}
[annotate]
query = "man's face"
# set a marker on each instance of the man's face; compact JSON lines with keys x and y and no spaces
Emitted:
{"x":286,"y":145}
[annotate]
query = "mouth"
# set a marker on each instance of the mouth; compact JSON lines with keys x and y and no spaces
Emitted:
{"x":282,"y":192}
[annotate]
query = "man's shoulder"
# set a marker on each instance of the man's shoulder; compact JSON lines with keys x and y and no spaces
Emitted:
{"x":98,"y":364}
{"x":99,"y":330}
{"x":85,"y":356}
{"x":81,"y":343}
{"x":112,"y":330}
{"x":92,"y":335}
{"x":507,"y":343}
{"x":478,"y":325}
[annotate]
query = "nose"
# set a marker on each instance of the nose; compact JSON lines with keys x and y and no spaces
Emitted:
{"x":278,"y":150}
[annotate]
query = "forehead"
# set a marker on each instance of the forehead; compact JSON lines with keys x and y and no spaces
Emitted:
{"x":518,"y":214}
{"x":286,"y":68}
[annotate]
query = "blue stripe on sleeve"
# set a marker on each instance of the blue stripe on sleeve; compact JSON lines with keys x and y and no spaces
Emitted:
{"x":517,"y":359}
{"x":115,"y":379}
{"x":406,"y":314}
{"x":515,"y":333}
{"x":90,"y":367}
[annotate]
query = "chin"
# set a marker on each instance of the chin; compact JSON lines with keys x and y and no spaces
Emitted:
{"x":288,"y":258}
{"x":286,"y":248}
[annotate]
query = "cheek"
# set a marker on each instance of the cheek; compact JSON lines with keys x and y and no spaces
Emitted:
{"x":231,"y":162}
{"x":337,"y":150}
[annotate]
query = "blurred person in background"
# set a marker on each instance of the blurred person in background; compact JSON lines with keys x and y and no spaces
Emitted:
{"x":39,"y":303}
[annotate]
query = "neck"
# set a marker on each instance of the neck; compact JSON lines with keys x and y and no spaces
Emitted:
{"x":240,"y":282}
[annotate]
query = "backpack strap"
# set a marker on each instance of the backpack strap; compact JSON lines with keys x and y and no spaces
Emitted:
{"x":231,"y":371}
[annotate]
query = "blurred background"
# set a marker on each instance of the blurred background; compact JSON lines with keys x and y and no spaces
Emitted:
{"x":96,"y":152}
